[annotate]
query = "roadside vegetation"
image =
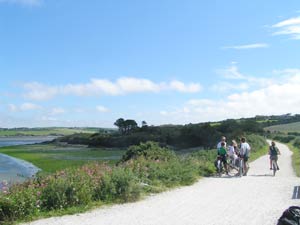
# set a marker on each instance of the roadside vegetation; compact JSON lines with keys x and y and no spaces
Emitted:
{"x":290,"y":135}
{"x":143,"y":169}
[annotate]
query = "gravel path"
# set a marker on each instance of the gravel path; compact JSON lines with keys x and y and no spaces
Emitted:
{"x":256,"y":199}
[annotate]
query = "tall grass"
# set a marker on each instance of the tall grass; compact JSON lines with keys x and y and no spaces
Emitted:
{"x":295,"y":147}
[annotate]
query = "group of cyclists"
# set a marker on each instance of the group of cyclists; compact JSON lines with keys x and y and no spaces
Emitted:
{"x":231,"y":156}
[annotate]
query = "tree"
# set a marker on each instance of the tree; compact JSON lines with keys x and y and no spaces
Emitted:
{"x":144,"y":123}
{"x":120,"y":123}
{"x":130,"y":125}
{"x":125,"y":126}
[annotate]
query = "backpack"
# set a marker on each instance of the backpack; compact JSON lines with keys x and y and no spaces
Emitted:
{"x":290,"y":216}
{"x":273,"y":150}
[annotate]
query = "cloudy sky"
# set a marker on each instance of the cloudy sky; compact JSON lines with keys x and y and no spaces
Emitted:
{"x":90,"y":62}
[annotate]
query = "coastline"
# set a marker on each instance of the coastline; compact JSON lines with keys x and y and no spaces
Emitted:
{"x":14,"y":169}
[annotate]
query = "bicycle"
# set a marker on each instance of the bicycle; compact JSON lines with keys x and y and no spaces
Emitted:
{"x":219,"y":166}
{"x":274,"y":166}
{"x":241,"y":166}
{"x":232,"y":164}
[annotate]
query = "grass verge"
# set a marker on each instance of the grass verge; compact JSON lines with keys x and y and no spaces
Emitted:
{"x":295,"y":158}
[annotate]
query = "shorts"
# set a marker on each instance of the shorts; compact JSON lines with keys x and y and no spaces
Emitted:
{"x":245,"y":157}
{"x":274,"y":157}
{"x":223,"y":159}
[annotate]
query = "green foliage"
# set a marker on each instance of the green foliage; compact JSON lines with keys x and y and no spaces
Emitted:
{"x":205,"y":160}
{"x":179,"y":136}
{"x":295,"y":147}
{"x":284,"y":128}
{"x":149,"y":150}
{"x":18,"y":203}
{"x":284,"y":138}
{"x":296,"y":142}
{"x":68,"y":188}
{"x":125,"y":126}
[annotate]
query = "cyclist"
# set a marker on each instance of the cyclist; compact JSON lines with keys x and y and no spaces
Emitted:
{"x":244,"y":153}
{"x":232,"y":153}
{"x":273,"y":152}
{"x":222,"y":153}
{"x":223,"y":139}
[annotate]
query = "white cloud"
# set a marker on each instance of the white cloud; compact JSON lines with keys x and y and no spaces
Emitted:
{"x":48,"y":119}
{"x":129,"y":84}
{"x":29,"y":106}
{"x":38,"y":91}
{"x":13,"y":108}
{"x":163,"y":113}
{"x":98,"y":87}
{"x":23,"y":2}
{"x":290,"y":27}
{"x":226,"y":86}
{"x":24,"y":107}
{"x":248,"y":46}
{"x":102,"y":109}
{"x":232,"y":73}
{"x":57,"y":110}
{"x":279,"y":98}
{"x":181,"y":87}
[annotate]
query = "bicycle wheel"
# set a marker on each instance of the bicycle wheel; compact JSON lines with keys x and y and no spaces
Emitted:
{"x":219,"y":166}
{"x":241,"y":167}
{"x":274,"y":165}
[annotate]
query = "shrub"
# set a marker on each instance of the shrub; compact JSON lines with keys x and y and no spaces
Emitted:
{"x":149,"y":150}
{"x":296,"y":142}
{"x":66,"y":191}
{"x":126,"y":184}
{"x":19,"y":203}
{"x":284,"y":138}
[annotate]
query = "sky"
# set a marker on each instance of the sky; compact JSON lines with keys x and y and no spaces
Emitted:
{"x":89,"y":62}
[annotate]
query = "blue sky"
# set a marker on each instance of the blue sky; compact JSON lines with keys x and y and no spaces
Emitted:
{"x":88,"y":63}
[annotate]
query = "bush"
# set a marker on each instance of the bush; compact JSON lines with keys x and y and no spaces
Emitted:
{"x":126,"y":184}
{"x":284,"y":138}
{"x":19,"y":203}
{"x":296,"y":142}
{"x":150,"y":151}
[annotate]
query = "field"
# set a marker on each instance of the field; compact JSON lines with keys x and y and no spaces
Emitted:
{"x":52,"y":131}
{"x":285,"y":128}
{"x":51,"y":157}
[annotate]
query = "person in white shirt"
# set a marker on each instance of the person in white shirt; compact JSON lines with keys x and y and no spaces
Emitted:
{"x":223,"y":139}
{"x":232,"y":153}
{"x":244,"y":153}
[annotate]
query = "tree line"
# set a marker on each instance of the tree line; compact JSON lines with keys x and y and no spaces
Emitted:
{"x":202,"y":135}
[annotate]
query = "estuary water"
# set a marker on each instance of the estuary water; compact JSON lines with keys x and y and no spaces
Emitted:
{"x":13,"y":169}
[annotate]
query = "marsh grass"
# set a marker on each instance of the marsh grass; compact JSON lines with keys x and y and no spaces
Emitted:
{"x":50,"y":157}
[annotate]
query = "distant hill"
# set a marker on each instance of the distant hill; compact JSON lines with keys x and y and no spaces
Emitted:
{"x":285,"y":128}
{"x":51,"y":131}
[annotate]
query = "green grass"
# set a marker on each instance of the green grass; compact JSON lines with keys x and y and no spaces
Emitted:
{"x":295,"y":158}
{"x":56,"y":131}
{"x":51,"y":158}
{"x":285,"y":128}
{"x":258,"y":153}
